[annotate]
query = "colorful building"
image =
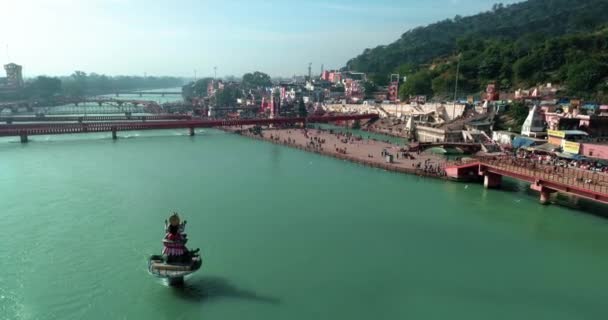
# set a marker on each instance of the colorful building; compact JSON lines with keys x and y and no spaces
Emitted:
{"x":594,"y":150}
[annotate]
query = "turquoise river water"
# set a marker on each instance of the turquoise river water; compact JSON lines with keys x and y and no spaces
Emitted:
{"x":284,"y":235}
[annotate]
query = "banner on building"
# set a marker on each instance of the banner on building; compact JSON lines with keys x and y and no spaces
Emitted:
{"x":555,"y":133}
{"x":418,"y":99}
{"x":571,"y":147}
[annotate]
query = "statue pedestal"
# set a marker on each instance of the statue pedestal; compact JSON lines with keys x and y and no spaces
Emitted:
{"x":176,"y":282}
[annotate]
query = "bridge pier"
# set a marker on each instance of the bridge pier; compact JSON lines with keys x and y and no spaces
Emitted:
{"x":545,"y":197}
{"x":24,"y":138}
{"x":191,"y":131}
{"x":545,"y":193}
{"x":491,"y":180}
{"x":114,"y":135}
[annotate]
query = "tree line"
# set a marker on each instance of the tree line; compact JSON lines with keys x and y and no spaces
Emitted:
{"x":515,"y":45}
{"x":579,"y":62}
{"x":81,"y":84}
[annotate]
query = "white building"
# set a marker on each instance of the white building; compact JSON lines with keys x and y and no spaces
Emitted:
{"x":534,"y":126}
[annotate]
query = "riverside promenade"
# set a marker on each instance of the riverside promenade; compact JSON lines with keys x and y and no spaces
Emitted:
{"x":368,"y":152}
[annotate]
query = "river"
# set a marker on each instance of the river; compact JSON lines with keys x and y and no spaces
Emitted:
{"x":284,"y":235}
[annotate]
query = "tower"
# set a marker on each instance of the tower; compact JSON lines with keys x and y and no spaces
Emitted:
{"x":14,"y":77}
{"x":310,"y":71}
{"x":393,"y":88}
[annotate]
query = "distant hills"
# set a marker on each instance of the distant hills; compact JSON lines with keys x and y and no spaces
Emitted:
{"x":562,"y":41}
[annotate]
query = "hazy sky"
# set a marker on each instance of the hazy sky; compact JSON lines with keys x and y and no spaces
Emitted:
{"x":174,"y":37}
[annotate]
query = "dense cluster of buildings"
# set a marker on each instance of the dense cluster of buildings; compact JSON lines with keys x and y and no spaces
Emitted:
{"x":283,"y":96}
{"x":569,"y":129}
{"x":565,"y":128}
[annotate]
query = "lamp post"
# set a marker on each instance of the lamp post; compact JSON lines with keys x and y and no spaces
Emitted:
{"x":456,"y":86}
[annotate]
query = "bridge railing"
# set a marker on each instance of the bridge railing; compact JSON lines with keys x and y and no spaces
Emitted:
{"x":582,"y":179}
{"x":57,"y":128}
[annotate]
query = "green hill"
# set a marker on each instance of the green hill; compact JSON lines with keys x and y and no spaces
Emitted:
{"x":516,"y":45}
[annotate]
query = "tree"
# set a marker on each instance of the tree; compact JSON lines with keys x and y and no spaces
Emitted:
{"x":302,"y":111}
{"x":256,"y":80}
{"x":444,"y":84}
{"x":418,"y":84}
{"x":525,"y":24}
{"x":525,"y":68}
{"x":77,"y":84}
{"x":406,"y":69}
{"x":227,"y":97}
{"x":196,"y":89}
{"x":491,"y":64}
{"x":518,"y":112}
{"x":80,"y":84}
{"x":370,"y":87}
{"x":44,"y":87}
{"x":498,"y":7}
{"x":584,"y":75}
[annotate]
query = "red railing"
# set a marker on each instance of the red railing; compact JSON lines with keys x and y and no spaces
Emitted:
{"x":564,"y":179}
{"x":63,"y":128}
{"x":96,"y":118}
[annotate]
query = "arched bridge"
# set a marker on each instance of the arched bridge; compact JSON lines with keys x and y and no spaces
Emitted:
{"x":150,"y":93}
{"x":113,"y":105}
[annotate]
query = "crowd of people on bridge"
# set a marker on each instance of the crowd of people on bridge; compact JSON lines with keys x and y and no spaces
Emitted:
{"x":557,"y":162}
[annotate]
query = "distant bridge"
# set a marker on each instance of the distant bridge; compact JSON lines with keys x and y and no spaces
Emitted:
{"x":25,"y":130}
{"x":150,"y":93}
{"x":112,"y":106}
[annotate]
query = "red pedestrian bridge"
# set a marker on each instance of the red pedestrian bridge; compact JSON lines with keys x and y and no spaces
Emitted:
{"x":542,"y":178}
{"x":96,"y":118}
{"x":25,"y":130}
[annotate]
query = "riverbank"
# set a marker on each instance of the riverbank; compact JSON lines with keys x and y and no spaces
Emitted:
{"x":345,"y":146}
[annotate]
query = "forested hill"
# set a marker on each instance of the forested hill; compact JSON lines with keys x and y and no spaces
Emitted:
{"x":523,"y":26}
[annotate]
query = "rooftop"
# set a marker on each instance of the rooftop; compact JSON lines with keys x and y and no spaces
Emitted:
{"x":575,"y":133}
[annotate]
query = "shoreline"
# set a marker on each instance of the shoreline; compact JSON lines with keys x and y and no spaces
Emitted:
{"x":351,"y":158}
{"x":579,"y":204}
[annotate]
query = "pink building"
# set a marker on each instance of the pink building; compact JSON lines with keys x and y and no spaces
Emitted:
{"x":335,"y":77}
{"x":353,"y":90}
{"x":393,"y":91}
{"x":591,"y":150}
{"x":325,"y":75}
